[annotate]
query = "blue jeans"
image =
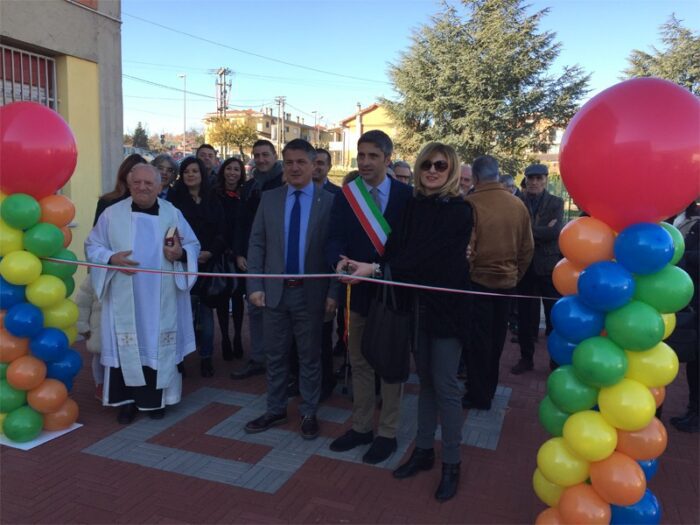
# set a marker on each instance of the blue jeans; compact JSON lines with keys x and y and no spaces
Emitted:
{"x":203,"y":327}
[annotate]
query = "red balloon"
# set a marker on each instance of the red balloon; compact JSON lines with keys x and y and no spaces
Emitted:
{"x":632,"y":153}
{"x":38,"y":150}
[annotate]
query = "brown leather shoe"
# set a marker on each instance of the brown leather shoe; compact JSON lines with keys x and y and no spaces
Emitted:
{"x":265,"y":422}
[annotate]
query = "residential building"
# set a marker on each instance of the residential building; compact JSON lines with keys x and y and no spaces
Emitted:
{"x":344,"y":150}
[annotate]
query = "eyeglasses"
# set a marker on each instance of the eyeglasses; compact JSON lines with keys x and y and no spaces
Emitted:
{"x":166,"y":169}
{"x":439,"y":165}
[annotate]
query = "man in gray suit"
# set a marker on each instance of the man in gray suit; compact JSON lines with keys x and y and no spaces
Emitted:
{"x":288,"y":237}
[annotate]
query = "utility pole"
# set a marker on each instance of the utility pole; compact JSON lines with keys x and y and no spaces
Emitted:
{"x":280,"y":122}
{"x":222,"y":91}
{"x":183,"y":76}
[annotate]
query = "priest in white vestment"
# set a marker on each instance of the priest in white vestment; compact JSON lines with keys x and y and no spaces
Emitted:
{"x":146,"y":316}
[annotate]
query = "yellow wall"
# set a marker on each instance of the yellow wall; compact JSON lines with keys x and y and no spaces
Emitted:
{"x":79,"y":105}
{"x":379,"y":119}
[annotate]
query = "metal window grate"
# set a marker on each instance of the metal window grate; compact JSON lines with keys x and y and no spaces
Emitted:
{"x":27,"y":76}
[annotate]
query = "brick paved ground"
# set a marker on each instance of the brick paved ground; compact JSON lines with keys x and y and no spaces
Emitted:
{"x":197,"y":466}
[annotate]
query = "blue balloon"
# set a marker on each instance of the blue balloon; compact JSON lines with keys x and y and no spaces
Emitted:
{"x":560,"y":350}
{"x":575,"y":321}
{"x":49,"y":345}
{"x":649,"y":466}
{"x":606,"y":286}
{"x":646,"y":511}
{"x":644,"y":248}
{"x":24,"y":320}
{"x":65,"y":369}
{"x":10,"y":294}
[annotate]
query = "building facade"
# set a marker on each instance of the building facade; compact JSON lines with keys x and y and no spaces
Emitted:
{"x":344,"y":147}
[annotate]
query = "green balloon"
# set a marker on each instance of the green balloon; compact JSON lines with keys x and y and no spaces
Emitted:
{"x":23,"y":424}
{"x":636,"y":326}
{"x":3,"y":370}
{"x":678,"y":241}
{"x":10,"y":397}
{"x":568,"y":392}
{"x":60,"y":270}
{"x":20,"y":211}
{"x":552,"y":418}
{"x":668,"y":290}
{"x":599,"y":362}
{"x":70,"y":285}
{"x":43,"y":239}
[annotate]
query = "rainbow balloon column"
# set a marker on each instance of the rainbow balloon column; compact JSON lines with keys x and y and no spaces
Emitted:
{"x":630,"y":157}
{"x":37,"y":366}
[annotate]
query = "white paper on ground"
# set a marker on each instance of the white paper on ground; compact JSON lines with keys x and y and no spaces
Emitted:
{"x":44,"y":437}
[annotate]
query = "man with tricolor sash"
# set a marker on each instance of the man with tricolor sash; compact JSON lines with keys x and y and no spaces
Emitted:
{"x":364,"y":214}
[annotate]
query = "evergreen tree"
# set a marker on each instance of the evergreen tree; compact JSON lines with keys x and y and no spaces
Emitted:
{"x":140,"y":137}
{"x":679,"y":62}
{"x":480,"y":81}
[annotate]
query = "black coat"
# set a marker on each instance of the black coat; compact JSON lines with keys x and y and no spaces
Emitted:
{"x":431,"y":249}
{"x":547,"y":253}
{"x":230,"y":207}
{"x":206,"y":218}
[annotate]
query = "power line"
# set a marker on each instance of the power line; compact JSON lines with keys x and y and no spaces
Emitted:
{"x":167,"y":87}
{"x":257,"y":55}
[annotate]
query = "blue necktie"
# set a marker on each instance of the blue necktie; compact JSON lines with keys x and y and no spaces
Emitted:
{"x":292,"y":264}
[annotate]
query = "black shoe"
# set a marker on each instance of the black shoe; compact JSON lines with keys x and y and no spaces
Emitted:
{"x":448,"y":482}
{"x":157,"y":414}
{"x":249,"y":370}
{"x":469,"y":403}
{"x":380,"y":450}
{"x":327,"y":390}
{"x":350,"y":440}
{"x":265,"y":422}
{"x":293,"y":389}
{"x":205,"y":367}
{"x":226,"y":351}
{"x":127,"y":413}
{"x":687,"y":423}
{"x":237,"y":347}
{"x":309,"y":427}
{"x":421,"y":459}
{"x":522,"y":367}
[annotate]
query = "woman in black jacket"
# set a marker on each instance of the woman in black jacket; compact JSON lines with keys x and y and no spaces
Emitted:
{"x":201,"y":208}
{"x":431,"y":250}
{"x":230,"y":178}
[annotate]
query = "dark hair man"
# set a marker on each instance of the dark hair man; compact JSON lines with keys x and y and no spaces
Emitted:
{"x":207,"y":154}
{"x":402,"y":171}
{"x":322,"y":167}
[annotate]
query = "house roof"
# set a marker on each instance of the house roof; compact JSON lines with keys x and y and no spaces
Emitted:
{"x":363,"y":112}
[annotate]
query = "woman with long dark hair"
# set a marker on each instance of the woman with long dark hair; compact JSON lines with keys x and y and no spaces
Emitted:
{"x":121,"y":190}
{"x":193,"y":196}
{"x":230,"y":178}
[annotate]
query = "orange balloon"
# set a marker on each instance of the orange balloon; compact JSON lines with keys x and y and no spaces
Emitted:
{"x":565,"y":277}
{"x":587,"y":240}
{"x":65,"y":416}
{"x":57,"y":209}
{"x":48,"y":396}
{"x":12,"y":347}
{"x":618,"y":479}
{"x":26,"y":372}
{"x":67,"y":236}
{"x":550,"y":516}
{"x":581,"y":504}
{"x":659,"y":393}
{"x":647,"y":443}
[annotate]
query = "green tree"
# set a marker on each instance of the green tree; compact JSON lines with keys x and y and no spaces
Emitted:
{"x":678,"y":62}
{"x":478,"y":78}
{"x":229,"y":134}
{"x":128,"y":140}
{"x":140,"y":137}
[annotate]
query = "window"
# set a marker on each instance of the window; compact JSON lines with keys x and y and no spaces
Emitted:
{"x":27,"y":76}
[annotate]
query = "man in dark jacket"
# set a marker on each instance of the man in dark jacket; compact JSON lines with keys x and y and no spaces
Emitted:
{"x":547,"y":219}
{"x":267,"y":175}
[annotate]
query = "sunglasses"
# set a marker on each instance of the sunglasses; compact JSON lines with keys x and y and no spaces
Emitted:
{"x":439,"y":165}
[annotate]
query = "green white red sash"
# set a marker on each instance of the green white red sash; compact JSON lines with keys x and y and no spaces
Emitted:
{"x":368,"y":213}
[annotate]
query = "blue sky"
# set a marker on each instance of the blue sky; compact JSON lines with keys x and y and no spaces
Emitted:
{"x":355,"y":38}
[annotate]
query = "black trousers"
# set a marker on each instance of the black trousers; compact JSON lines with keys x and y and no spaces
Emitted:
{"x":489,"y":325}
{"x":529,"y":310}
{"x":146,"y":397}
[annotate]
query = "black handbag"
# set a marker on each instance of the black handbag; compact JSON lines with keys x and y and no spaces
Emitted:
{"x":212,"y":291}
{"x":684,"y":340}
{"x":386,"y":341}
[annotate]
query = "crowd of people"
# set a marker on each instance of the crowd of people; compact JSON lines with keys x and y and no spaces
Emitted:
{"x":441,"y":224}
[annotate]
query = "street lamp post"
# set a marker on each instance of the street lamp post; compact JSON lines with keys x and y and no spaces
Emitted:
{"x":183,"y":76}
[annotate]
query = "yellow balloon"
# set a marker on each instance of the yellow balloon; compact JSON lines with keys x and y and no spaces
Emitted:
{"x":11,"y":239}
{"x":669,"y":324}
{"x":589,"y":435}
{"x":547,"y":491}
{"x":46,"y":290}
{"x":655,"y":367}
{"x":62,"y":314}
{"x":71,"y":333}
{"x":559,"y":465}
{"x":20,"y":267}
{"x":627,"y":405}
